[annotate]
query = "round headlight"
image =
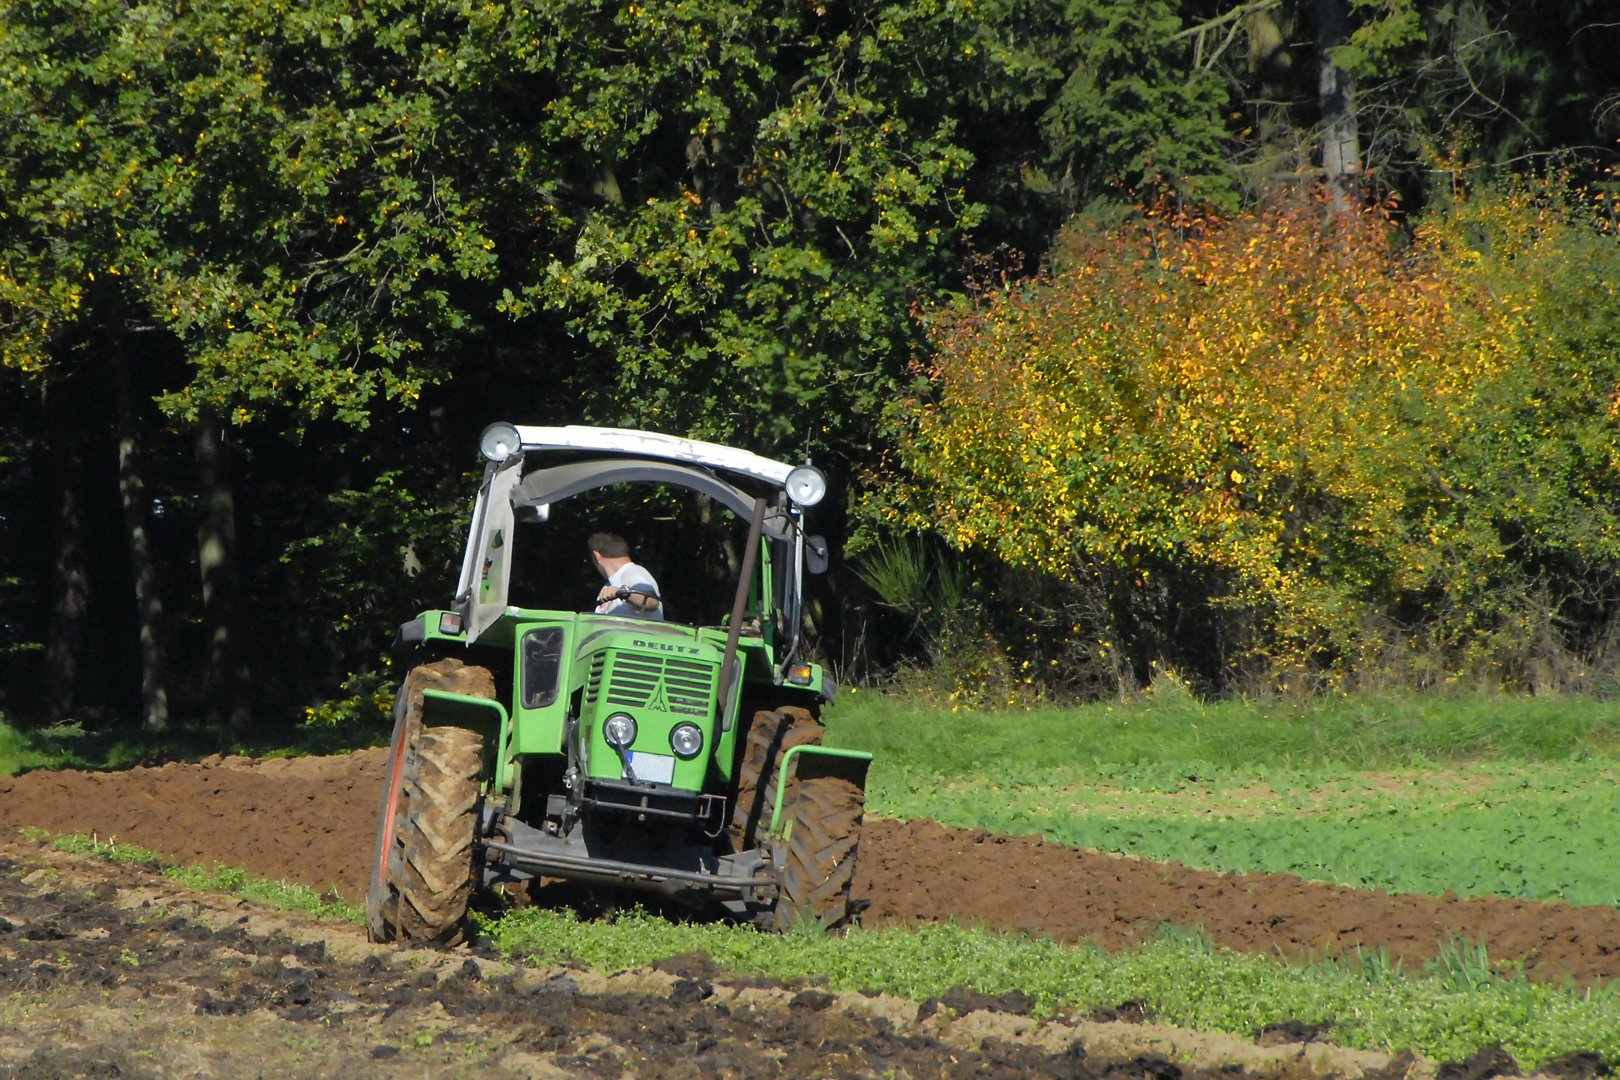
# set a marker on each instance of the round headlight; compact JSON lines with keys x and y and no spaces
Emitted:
{"x":500,"y":441}
{"x":619,"y":730}
{"x":686,"y":740}
{"x":806,"y":486}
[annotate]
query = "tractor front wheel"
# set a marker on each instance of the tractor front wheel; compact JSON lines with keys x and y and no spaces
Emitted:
{"x":821,"y":838}
{"x":771,"y":734}
{"x":422,"y":872}
{"x":424,"y":877}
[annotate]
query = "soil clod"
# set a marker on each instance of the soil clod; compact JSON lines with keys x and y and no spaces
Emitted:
{"x":1292,"y":1031}
{"x":965,"y":1001}
{"x":812,"y":1000}
{"x":1482,"y":1064}
{"x":1580,"y":1065}
{"x":687,"y":991}
{"x":1130,"y":1012}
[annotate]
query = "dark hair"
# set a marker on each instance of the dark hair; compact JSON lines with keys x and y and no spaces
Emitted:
{"x":609,"y":545}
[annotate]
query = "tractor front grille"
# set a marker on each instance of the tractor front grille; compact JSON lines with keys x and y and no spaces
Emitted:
{"x":674,"y":685}
{"x":689,"y":686}
{"x":593,"y":681}
{"x":634,"y":680}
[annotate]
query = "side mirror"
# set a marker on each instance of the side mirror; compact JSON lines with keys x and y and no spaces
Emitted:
{"x":815,"y":554}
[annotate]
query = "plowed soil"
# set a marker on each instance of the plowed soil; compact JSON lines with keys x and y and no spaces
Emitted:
{"x":311,"y":820}
{"x":111,"y":970}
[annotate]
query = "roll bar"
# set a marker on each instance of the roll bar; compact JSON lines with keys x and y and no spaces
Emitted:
{"x":545,"y":486}
{"x":647,"y":457}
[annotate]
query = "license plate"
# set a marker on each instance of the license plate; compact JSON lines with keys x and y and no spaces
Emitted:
{"x":659,"y":768}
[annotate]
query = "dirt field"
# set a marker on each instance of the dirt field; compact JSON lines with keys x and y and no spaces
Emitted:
{"x":311,"y":820}
{"x":109,"y":970}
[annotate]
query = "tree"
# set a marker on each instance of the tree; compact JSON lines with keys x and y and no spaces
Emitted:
{"x":703,"y":221}
{"x":1341,"y":441}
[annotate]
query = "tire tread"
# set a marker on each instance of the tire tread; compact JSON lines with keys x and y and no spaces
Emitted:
{"x":424,"y":877}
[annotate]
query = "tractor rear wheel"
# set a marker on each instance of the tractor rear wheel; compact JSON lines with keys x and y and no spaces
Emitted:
{"x":822,"y":839}
{"x":771,"y":733}
{"x":425,"y":881}
{"x":422,"y":871}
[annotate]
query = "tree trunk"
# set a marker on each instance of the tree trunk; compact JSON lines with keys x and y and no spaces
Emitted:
{"x":1271,"y":70}
{"x":1336,"y":91}
{"x":64,"y":643}
{"x":216,"y":562}
{"x":132,"y":492}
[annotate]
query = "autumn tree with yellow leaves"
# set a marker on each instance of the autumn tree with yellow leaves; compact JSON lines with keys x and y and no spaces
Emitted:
{"x":1356,"y":443}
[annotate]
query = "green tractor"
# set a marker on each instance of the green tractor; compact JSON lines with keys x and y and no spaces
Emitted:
{"x":619,"y":750}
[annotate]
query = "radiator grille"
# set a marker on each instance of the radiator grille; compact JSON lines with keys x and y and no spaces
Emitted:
{"x":687,"y":686}
{"x":593,"y":681}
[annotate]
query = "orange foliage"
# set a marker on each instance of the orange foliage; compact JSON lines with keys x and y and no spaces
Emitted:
{"x":1287,"y":395}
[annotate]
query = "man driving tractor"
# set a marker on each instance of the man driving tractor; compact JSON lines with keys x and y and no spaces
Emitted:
{"x":630,"y":589}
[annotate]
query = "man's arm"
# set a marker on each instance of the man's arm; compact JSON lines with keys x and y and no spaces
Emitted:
{"x":640,"y":597}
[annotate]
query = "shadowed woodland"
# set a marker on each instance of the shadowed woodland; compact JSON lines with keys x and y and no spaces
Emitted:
{"x":266,"y":270}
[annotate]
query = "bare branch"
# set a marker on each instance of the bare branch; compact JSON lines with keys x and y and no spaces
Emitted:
{"x":1593,"y":26}
{"x":1231,"y":34}
{"x":1221,"y":20}
{"x":1462,"y":66}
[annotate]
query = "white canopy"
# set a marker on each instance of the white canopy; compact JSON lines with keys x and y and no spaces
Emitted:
{"x":653,"y":445}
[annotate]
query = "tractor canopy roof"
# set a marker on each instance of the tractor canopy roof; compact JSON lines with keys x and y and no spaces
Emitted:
{"x":647,"y":444}
{"x":604,"y":457}
{"x":642,"y":456}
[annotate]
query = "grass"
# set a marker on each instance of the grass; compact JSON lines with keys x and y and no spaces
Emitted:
{"x":1450,"y":1009}
{"x":69,"y":746}
{"x":24,"y":750}
{"x":1502,"y":796}
{"x":282,"y":895}
{"x":1363,"y":732}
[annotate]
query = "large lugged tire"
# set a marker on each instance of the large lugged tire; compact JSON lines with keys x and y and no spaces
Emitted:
{"x":401,"y":817}
{"x":771,"y":734}
{"x":823,"y":838}
{"x":426,"y":879}
{"x":447,"y":674}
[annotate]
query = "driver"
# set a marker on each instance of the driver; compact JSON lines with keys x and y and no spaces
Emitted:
{"x":630,"y":590}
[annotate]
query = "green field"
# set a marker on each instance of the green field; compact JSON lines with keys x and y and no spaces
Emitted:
{"x":1501,"y":795}
{"x":1508,"y":796}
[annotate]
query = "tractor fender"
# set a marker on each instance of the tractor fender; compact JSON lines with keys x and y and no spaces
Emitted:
{"x":446,"y":708}
{"x":848,"y":765}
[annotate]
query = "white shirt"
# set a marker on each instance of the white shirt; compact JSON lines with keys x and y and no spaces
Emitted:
{"x":628,"y":576}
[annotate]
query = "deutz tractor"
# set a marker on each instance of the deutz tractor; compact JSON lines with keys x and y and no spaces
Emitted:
{"x":686,"y":760}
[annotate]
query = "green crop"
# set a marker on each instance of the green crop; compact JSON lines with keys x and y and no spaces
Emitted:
{"x":1542,"y":852}
{"x":1360,"y":732}
{"x":1505,"y":796}
{"x":1539,"y":832}
{"x":1458,"y":1004}
{"x":283,"y":895}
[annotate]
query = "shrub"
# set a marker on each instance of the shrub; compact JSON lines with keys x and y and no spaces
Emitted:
{"x":1353,"y":448}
